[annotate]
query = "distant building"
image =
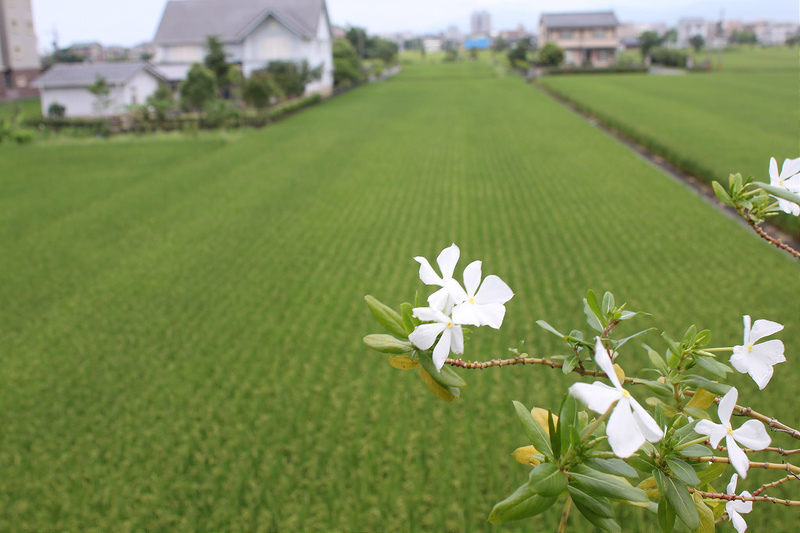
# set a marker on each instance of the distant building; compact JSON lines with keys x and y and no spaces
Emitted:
{"x":89,"y":51}
{"x":512,"y":37}
{"x":774,"y":33}
{"x":431,"y":45}
{"x":481,"y":23}
{"x":254,"y":33}
{"x":19,"y":59}
{"x":688,"y":28}
{"x":586,"y":38}
{"x":481,"y":42}
{"x":67,"y":84}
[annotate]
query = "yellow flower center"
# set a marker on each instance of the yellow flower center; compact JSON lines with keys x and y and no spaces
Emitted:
{"x":780,"y":182}
{"x":729,"y":429}
{"x":449,"y":324}
{"x":749,"y":347}
{"x":471,"y":300}
{"x":626,"y":394}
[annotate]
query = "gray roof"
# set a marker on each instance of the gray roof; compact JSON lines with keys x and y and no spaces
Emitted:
{"x":603,"y":19}
{"x":191,"y":21}
{"x":63,"y":75}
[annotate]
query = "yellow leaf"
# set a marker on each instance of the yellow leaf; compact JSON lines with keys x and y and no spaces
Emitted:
{"x":650,"y":488}
{"x":403,"y":362}
{"x":525,"y":455}
{"x":706,"y":515}
{"x":540,"y":415}
{"x":620,"y":373}
{"x":702,"y":399}
{"x":437,"y":390}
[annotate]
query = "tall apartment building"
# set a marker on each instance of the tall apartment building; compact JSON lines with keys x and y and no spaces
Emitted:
{"x":19,"y":60}
{"x":481,"y":23}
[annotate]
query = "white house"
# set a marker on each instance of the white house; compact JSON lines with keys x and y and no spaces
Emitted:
{"x":254,"y":33}
{"x":67,"y":84}
{"x":586,"y":38}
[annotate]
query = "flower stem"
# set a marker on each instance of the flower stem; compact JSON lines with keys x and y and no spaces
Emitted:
{"x":725,"y":349}
{"x":764,"y":235}
{"x":767,"y":466}
{"x":588,"y":431}
{"x":731,"y":497}
{"x":562,"y":526}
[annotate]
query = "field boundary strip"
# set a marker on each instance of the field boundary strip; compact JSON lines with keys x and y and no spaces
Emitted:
{"x":691,"y":173}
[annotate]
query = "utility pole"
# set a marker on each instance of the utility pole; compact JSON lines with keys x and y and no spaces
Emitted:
{"x":720,"y":38}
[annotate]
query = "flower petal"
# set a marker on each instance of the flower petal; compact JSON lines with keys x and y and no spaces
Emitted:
{"x":457,"y":344}
{"x":430,"y":313}
{"x":442,"y":349}
{"x":737,"y":457}
{"x":493,"y":290}
{"x":760,"y":372}
{"x":598,"y":396}
{"x":447,"y":261}
{"x":491,"y":314}
{"x":747,"y":325}
{"x":738,"y":522}
{"x":770,"y":352}
{"x":731,"y":488}
{"x":439,"y":299}
{"x":647,"y":424}
{"x":714,"y":431}
{"x":426,"y":272}
{"x":774,"y":176}
{"x":752,"y":434}
{"x":740,"y":360}
{"x":603,"y":360}
{"x":472,"y":277}
{"x":763,"y":328}
{"x":740,"y":506}
{"x":789,"y":168}
{"x":726,"y":405}
{"x":425,"y":335}
{"x":456,"y":291}
{"x":466,"y":314}
{"x":624,"y":434}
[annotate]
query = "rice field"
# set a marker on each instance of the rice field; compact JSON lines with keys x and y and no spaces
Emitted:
{"x":181,"y":320}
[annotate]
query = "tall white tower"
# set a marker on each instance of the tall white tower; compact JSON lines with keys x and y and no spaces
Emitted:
{"x":19,"y":59}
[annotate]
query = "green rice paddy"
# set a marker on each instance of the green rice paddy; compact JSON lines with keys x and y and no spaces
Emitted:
{"x":181,"y":321}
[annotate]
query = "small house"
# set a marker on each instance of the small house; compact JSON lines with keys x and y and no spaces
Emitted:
{"x":588,"y":39}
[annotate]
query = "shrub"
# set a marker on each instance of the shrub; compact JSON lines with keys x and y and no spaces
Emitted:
{"x":199,"y":88}
{"x":22,"y":136}
{"x":56,"y":110}
{"x":668,"y":57}
{"x":291,"y":77}
{"x":550,"y":55}
{"x":260,"y":89}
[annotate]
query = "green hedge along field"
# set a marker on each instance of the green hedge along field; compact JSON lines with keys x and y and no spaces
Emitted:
{"x":710,"y":124}
{"x":181,"y":322}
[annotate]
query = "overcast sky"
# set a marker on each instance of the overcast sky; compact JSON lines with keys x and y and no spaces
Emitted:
{"x":128,"y":22}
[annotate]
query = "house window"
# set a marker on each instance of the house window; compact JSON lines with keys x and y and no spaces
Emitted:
{"x":603,"y":55}
{"x":274,"y":48}
{"x":599,"y":34}
{"x":22,"y":82}
{"x":566,"y":34}
{"x":17,"y":52}
{"x":14,"y":25}
{"x":30,"y":26}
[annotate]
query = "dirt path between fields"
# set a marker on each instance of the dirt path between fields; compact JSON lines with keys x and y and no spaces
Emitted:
{"x":702,"y":188}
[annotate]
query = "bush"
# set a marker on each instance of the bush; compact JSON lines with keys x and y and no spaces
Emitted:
{"x":199,"y":88}
{"x":22,"y":136}
{"x":668,"y":57}
{"x":550,"y":55}
{"x":291,"y":77}
{"x":346,"y":64}
{"x":56,"y":110}
{"x":260,"y":89}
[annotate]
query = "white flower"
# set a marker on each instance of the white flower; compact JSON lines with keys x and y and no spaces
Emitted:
{"x":757,"y":360}
{"x":735,"y":507}
{"x":787,"y":179}
{"x":751,"y":434}
{"x":447,"y":263}
{"x":425,"y":335}
{"x":629,"y":425}
{"x":481,"y":306}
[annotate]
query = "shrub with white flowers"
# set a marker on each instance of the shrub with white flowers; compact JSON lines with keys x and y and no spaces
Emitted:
{"x":665,"y":454}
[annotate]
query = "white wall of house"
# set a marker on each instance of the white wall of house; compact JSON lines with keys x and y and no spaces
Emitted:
{"x":79,"y":102}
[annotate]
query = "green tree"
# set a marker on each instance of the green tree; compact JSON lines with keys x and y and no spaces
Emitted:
{"x":260,"y":89}
{"x":291,"y":77}
{"x":697,"y":42}
{"x":647,"y":41}
{"x":358,"y":38}
{"x":101,"y":90}
{"x":216,"y":60}
{"x":743,"y":37}
{"x":551,"y":55}
{"x":346,"y":64}
{"x":499,"y":45}
{"x":670,"y":37}
{"x":162,"y":101}
{"x":520,"y":51}
{"x":199,"y":88}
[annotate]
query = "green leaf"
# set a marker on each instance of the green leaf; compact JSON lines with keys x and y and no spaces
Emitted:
{"x":447,"y":377}
{"x":662,"y":389}
{"x":620,"y":343}
{"x":713,"y":366}
{"x":387,"y":344}
{"x":697,"y":413}
{"x":407,"y":313}
{"x":683,"y":471}
{"x":615,"y":467}
{"x":672,"y":345}
{"x":666,"y":517}
{"x":596,"y":483}
{"x":779,"y":192}
{"x":523,"y":503}
{"x":606,"y":524}
{"x":547,"y":480}
{"x":608,"y":303}
{"x":711,"y":473}
{"x":535,"y":432}
{"x":695,"y":450}
{"x":627,"y":315}
{"x":658,"y":362}
{"x":642,"y":462}
{"x":569,"y":363}
{"x":679,"y":499}
{"x":555,"y":436}
{"x":722,"y":194}
{"x":544,"y":325}
{"x":594,"y":308}
{"x":600,"y":505}
{"x":567,"y":419}
{"x":697,"y":382}
{"x":387,"y":317}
